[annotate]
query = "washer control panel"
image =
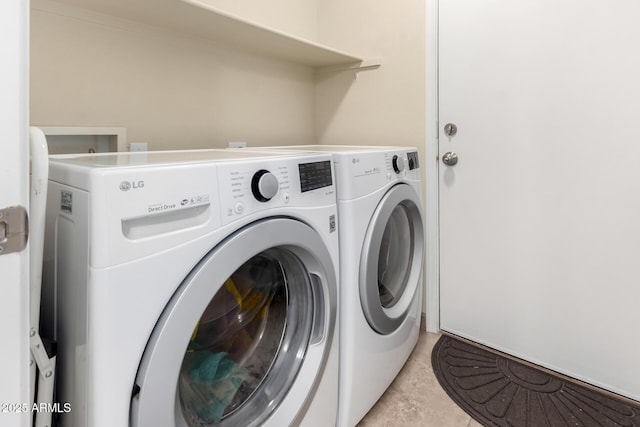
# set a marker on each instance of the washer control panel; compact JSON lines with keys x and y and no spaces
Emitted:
{"x":252,"y":186}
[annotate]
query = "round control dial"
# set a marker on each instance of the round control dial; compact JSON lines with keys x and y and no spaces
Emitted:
{"x":398,"y":164}
{"x":264,"y":185}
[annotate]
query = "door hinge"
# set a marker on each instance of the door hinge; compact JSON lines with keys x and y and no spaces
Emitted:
{"x":14,"y":229}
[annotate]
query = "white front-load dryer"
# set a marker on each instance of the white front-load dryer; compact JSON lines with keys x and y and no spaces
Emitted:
{"x":381,"y":275}
{"x":381,"y":259}
{"x":193,"y":288}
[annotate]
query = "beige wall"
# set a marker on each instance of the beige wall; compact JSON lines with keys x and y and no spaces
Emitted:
{"x":384,"y":106}
{"x":167,"y":90}
{"x":175,"y":92}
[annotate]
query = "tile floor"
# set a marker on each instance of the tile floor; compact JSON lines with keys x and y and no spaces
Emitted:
{"x":415,"y":398}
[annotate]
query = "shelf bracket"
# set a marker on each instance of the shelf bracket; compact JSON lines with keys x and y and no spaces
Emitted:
{"x":364,"y":65}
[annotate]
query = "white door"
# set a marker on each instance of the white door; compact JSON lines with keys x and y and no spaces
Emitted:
{"x":539,"y":219}
{"x":14,"y":174}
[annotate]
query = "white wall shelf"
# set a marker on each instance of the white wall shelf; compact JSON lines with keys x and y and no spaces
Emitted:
{"x":198,"y":19}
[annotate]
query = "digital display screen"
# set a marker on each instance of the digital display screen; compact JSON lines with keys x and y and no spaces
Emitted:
{"x":413,"y":160}
{"x":315,"y":175}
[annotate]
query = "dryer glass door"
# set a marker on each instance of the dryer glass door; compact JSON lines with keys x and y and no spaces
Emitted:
{"x":245,"y":338}
{"x":395,"y":256}
{"x":391,"y":264}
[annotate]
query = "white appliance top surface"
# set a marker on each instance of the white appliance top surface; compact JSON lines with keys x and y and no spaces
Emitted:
{"x":150,"y":158}
{"x":340,"y":148}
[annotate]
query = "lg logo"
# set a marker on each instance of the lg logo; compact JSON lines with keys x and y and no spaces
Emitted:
{"x":126,"y":185}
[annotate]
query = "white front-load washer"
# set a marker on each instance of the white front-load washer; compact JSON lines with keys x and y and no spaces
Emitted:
{"x":381,"y":258}
{"x":193,"y":288}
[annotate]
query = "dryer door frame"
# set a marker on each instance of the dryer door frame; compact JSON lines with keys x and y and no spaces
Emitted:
{"x":403,"y":203}
{"x":156,"y":401}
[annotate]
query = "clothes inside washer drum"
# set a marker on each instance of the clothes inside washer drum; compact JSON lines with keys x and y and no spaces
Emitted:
{"x":233,"y":344}
{"x":498,"y":391}
{"x":212,"y":382}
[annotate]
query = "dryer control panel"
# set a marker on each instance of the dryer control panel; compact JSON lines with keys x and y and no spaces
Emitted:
{"x":368,"y":171}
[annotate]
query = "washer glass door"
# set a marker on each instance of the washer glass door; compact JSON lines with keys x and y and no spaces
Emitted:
{"x":253,"y":326}
{"x":391,"y":263}
{"x":237,"y":341}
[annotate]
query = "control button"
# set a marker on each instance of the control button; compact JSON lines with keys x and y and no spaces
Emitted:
{"x":389,"y":176}
{"x":239,"y":208}
{"x":286,"y":197}
{"x":264,"y":185}
{"x":398,"y":164}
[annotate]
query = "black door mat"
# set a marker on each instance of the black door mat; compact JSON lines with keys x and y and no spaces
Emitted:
{"x":498,"y":391}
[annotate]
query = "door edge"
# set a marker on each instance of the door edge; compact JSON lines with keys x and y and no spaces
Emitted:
{"x":431,"y":296}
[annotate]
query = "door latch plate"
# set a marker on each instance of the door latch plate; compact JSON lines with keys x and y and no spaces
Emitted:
{"x":14,"y":229}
